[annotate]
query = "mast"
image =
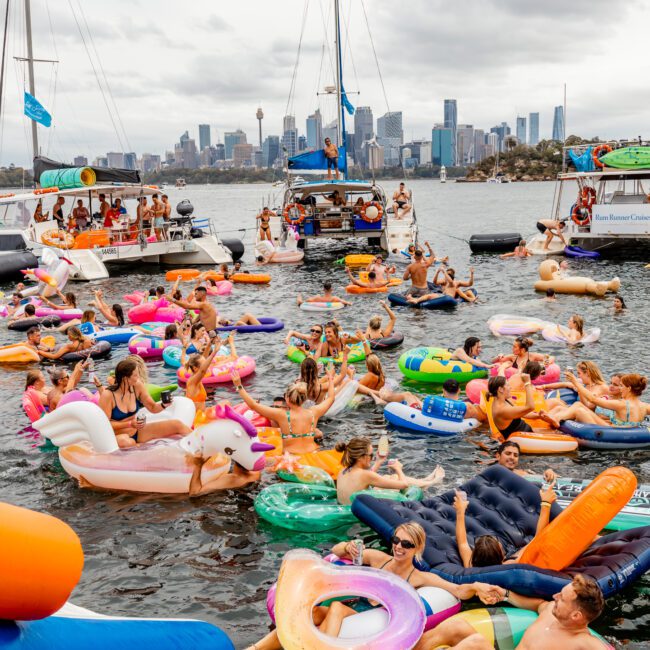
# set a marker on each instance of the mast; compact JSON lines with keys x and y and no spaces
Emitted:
{"x":339,"y":86}
{"x":30,"y":69}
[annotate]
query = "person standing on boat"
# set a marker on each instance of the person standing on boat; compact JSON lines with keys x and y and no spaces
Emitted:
{"x":158,"y":212}
{"x":332,"y":155}
{"x":416,"y":272}
{"x":552,"y":228}
{"x":103,"y":208}
{"x":167,"y":210}
{"x":57,"y":213}
{"x":81,"y":215}
{"x":144,"y":215}
{"x":401,"y":201}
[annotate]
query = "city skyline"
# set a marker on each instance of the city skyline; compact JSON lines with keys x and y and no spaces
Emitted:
{"x":495,"y":74}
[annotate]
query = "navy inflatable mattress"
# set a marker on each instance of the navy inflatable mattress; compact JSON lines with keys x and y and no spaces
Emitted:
{"x":507,"y":506}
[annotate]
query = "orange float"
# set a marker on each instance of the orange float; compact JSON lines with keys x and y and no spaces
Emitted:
{"x":40,"y":563}
{"x":289,"y":211}
{"x":355,"y":288}
{"x":183,"y":274}
{"x":58,"y":238}
{"x":92,"y":239}
{"x":366,"y":205}
{"x":595,"y":155}
{"x":46,"y":190}
{"x":574,"y":529}
{"x":187,"y":275}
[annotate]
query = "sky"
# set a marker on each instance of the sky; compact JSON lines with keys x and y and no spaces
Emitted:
{"x":172,"y":65}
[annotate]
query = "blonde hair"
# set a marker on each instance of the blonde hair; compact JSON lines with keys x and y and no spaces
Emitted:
{"x":593,"y":371}
{"x":296,"y":394}
{"x":417,"y":534}
{"x":375,"y":323}
{"x":579,"y":323}
{"x":374,"y":366}
{"x":141,"y":366}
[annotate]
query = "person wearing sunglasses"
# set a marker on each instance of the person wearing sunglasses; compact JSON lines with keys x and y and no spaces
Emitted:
{"x":307,"y":342}
{"x":361,"y":467}
{"x":407,"y":546}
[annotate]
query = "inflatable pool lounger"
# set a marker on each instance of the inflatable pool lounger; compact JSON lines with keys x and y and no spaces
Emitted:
{"x":507,"y":506}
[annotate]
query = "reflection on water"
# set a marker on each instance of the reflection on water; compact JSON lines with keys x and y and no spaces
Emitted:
{"x":211,"y":558}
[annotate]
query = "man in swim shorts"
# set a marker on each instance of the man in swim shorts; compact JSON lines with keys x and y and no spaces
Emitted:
{"x":207,"y":313}
{"x":158,"y":213}
{"x":416,"y":272}
{"x":401,"y":198}
{"x":332,"y":156}
{"x":373,"y":281}
{"x":561,"y":623}
{"x":552,"y":228}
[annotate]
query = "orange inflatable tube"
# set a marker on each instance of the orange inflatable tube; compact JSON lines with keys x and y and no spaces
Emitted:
{"x":184,"y":274}
{"x":40,"y":563}
{"x":92,"y":239}
{"x":354,"y":288}
{"x":193,"y":274}
{"x":572,"y":532}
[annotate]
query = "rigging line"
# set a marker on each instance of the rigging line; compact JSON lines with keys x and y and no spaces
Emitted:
{"x":349,"y":48}
{"x":2,"y":74}
{"x":53,"y":75}
{"x":374,"y":51}
{"x":101,"y":67}
{"x":292,"y":88}
{"x":92,"y":65}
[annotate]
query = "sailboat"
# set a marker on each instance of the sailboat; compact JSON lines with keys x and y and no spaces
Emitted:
{"x":497,"y":176}
{"x":90,"y":247}
{"x":361,"y":209}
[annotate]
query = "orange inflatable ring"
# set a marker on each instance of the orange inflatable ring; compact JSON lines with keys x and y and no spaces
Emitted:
{"x":595,"y":155}
{"x":380,"y":211}
{"x":46,"y":190}
{"x":289,"y":211}
{"x":355,"y":288}
{"x":40,"y":564}
{"x":574,"y":529}
{"x":58,"y":238}
{"x":581,"y":213}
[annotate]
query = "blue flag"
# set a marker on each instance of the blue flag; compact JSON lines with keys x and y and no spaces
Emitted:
{"x":35,"y":111}
{"x":346,"y":102}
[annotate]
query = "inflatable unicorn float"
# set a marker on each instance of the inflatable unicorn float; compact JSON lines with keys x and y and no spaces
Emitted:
{"x":88,"y":449}
{"x":267,"y":253}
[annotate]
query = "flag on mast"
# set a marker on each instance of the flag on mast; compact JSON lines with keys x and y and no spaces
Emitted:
{"x":346,"y":102}
{"x":36,"y":111}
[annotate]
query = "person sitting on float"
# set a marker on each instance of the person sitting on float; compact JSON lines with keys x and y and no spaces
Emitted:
{"x":317,"y":386}
{"x":326,"y":296}
{"x":407,"y":546}
{"x":521,"y":354}
{"x":77,"y":342}
{"x":373,"y":281}
{"x":63,"y":382}
{"x":114,"y":315}
{"x":360,"y":472}
{"x":308,"y":343}
{"x":297,"y":423}
{"x":451,"y":391}
{"x":69,"y":301}
{"x":470,"y":352}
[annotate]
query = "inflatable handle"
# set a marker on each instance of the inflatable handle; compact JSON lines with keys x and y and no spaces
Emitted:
{"x":305,"y":579}
{"x":40,"y":564}
{"x":573,"y":530}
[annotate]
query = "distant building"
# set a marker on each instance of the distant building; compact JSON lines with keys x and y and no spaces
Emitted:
{"x":115,"y":159}
{"x":364,"y":130}
{"x":290,"y":135}
{"x":331,"y":131}
{"x":479,"y":145}
{"x":150,"y":163}
{"x":270,"y":150}
{"x":185,"y":153}
{"x":451,"y":122}
{"x":521,"y":130}
{"x":208,"y":156}
{"x":230,"y":139}
{"x":80,"y":161}
{"x":502,"y":131}
{"x":315,"y":131}
{"x":204,"y":136}
{"x":100,"y":161}
{"x":533,"y":129}
{"x":375,"y":153}
{"x":302,"y":143}
{"x":465,"y":144}
{"x":220,"y":151}
{"x":390,"y":135}
{"x":442,"y":148}
{"x":491,"y":144}
{"x":130,"y":160}
{"x":242,"y":155}
{"x":558,"y":123}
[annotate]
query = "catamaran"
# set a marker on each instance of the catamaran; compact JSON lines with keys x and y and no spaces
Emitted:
{"x":611,"y":210}
{"x":339,"y":208}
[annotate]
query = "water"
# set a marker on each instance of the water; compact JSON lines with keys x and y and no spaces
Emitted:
{"x":211,"y":558}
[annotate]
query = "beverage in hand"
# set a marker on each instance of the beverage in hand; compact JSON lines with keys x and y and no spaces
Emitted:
{"x":382,"y":448}
{"x":141,"y":417}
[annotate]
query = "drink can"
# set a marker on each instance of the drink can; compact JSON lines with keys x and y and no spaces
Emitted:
{"x":166,"y":397}
{"x":141,"y":417}
{"x":358,"y":558}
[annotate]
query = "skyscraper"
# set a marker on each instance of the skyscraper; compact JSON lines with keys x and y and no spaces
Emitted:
{"x":533,"y":129}
{"x":465,"y":144}
{"x":130,"y":160}
{"x":204,"y":136}
{"x":390,"y":135}
{"x":442,"y":149}
{"x":479,"y":145}
{"x":230,"y":139}
{"x":502,"y":131}
{"x":290,"y":135}
{"x":315,"y":131}
{"x":270,"y":150}
{"x":558,"y":123}
{"x":185,"y":154}
{"x":451,"y":122}
{"x":259,"y":115}
{"x":521,"y":130}
{"x":364,"y":129}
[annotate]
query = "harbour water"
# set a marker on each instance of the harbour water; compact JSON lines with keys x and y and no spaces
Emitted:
{"x":211,"y":558}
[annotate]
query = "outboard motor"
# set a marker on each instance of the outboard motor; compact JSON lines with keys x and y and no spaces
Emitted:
{"x":185,"y":208}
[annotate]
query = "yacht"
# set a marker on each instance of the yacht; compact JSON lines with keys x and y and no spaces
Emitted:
{"x":180,"y":183}
{"x":611,"y":211}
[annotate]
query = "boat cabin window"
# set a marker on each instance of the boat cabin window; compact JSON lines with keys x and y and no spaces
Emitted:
{"x":11,"y":242}
{"x":619,"y":197}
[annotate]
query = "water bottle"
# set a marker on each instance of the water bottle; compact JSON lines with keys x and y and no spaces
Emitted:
{"x":382,"y":448}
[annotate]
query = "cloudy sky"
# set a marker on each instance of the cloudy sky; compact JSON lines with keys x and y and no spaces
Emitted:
{"x":172,"y":65}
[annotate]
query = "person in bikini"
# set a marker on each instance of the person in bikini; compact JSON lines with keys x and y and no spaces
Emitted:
{"x":265,"y":226}
{"x":520,"y":251}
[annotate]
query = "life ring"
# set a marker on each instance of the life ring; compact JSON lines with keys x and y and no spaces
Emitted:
{"x":58,"y":238}
{"x":288,"y":212}
{"x":601,"y":148}
{"x":380,"y":211}
{"x":581,"y":210}
{"x":46,"y":190}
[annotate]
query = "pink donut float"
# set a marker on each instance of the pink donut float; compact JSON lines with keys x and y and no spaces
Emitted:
{"x":474,"y":389}
{"x":220,"y":372}
{"x":63,"y":314}
{"x":223,"y":288}
{"x":153,"y":311}
{"x":550,"y":375}
{"x":150,"y":347}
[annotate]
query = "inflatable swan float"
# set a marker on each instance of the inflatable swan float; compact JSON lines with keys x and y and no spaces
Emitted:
{"x":267,"y":253}
{"x":88,"y":448}
{"x":550,"y":278}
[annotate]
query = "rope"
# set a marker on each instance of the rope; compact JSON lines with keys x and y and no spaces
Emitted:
{"x":3,"y":66}
{"x":374,"y":51}
{"x":292,"y":88}
{"x":54,"y":75}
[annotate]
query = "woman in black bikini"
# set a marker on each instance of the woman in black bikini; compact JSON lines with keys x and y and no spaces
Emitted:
{"x":124,"y":398}
{"x":265,"y":226}
{"x":407,"y":545}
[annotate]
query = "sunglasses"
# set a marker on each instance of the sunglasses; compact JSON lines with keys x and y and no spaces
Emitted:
{"x":316,"y":331}
{"x":405,"y":543}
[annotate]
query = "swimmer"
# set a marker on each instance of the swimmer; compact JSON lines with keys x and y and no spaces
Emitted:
{"x":375,"y":329}
{"x":470,"y":352}
{"x":520,"y":251}
{"x":550,"y":295}
{"x":508,"y":454}
{"x":327,"y":296}
{"x":619,"y":304}
{"x":455,"y":288}
{"x":308,"y":343}
{"x":373,"y":281}
{"x":360,"y":472}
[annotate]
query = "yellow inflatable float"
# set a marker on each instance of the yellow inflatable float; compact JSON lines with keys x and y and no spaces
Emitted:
{"x":550,"y":278}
